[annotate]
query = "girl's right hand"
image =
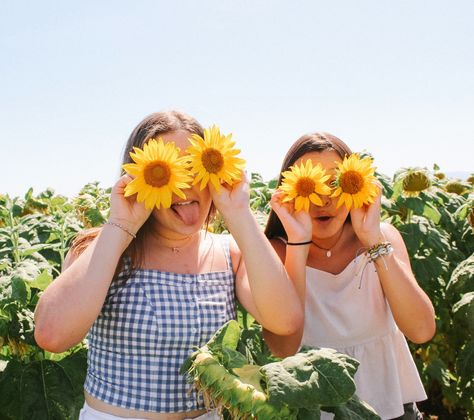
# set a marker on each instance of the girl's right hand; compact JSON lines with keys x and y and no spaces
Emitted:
{"x":126,"y":210}
{"x":297,"y":224}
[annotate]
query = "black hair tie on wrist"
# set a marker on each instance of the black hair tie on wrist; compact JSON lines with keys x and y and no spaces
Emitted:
{"x":299,"y":243}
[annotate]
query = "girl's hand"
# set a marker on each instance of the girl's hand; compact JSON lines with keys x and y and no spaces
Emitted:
{"x":297,"y":224}
{"x":366,"y":221}
{"x":126,"y":210}
{"x":231,"y":200}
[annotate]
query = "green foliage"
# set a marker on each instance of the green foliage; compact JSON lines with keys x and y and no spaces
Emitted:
{"x":36,"y":232}
{"x":314,"y":377}
{"x":292,"y":388}
{"x":43,"y":389}
{"x":440,"y":242}
{"x":35,"y":235}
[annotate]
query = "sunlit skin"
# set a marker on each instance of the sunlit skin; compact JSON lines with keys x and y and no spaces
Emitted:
{"x":71,"y":304}
{"x":328,"y":227}
{"x":167,"y":221}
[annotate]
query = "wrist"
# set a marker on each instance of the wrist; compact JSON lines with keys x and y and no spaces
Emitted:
{"x":299,"y":238}
{"x":373,"y":240}
{"x":124,"y":224}
{"x":121,"y":228}
{"x":115,"y":237}
{"x":238,"y":218}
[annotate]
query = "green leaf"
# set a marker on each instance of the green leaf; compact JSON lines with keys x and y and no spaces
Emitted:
{"x":20,"y":291}
{"x":43,"y":390}
{"x":431,"y":212}
{"x":306,"y":380}
{"x":463,"y":311}
{"x":462,"y":278}
{"x":465,"y":364}
{"x":232,"y":358}
{"x":304,"y":414}
{"x":354,"y":409}
{"x":42,"y":281}
{"x":226,"y":336}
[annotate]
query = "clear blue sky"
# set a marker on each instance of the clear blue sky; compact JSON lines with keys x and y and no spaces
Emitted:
{"x":393,"y":77}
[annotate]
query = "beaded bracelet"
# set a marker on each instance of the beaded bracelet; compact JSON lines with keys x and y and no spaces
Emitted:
{"x":123,"y":228}
{"x":379,"y":250}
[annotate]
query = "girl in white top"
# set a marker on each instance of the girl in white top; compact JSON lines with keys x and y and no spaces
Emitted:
{"x":364,"y":310}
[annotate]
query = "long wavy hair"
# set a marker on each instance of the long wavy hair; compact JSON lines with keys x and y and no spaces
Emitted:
{"x":153,"y":126}
{"x":313,"y":142}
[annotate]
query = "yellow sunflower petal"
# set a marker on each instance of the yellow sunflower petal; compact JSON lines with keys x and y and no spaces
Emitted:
{"x":316,"y":199}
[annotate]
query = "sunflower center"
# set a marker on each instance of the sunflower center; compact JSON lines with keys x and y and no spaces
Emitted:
{"x":305,"y":187}
{"x":351,"y":182}
{"x":212,"y":160}
{"x":157,"y":174}
{"x":415,"y":182}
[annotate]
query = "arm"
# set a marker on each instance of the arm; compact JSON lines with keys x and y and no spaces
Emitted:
{"x":262,"y":284}
{"x":71,"y":303}
{"x":411,"y":308}
{"x":299,"y":229}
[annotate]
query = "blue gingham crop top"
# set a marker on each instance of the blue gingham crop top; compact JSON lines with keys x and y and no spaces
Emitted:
{"x":148,"y":326}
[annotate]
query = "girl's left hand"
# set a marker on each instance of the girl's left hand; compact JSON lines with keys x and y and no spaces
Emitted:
{"x":231,"y":200}
{"x":366,"y":221}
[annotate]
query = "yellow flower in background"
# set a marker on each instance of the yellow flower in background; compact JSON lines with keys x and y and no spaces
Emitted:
{"x":213,"y":158}
{"x":355,"y":182}
{"x":159,"y":172}
{"x":304,"y":184}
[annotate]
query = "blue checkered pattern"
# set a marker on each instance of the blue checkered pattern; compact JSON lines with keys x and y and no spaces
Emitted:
{"x":148,"y":326}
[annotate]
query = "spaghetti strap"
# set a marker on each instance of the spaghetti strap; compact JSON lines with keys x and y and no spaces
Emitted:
{"x":225,"y":242}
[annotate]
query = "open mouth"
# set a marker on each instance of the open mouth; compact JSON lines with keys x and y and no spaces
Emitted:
{"x":186,"y":211}
{"x":323,"y":218}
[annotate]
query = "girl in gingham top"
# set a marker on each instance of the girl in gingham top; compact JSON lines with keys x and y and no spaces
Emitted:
{"x":147,"y":302}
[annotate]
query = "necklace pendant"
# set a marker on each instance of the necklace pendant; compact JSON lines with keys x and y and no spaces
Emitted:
{"x":175,"y":250}
{"x":328,"y":253}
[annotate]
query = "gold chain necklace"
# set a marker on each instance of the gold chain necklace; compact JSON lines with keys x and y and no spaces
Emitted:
{"x":177,"y":249}
{"x":329,"y":250}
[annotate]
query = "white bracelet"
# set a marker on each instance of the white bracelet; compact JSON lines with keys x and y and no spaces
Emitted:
{"x":379,"y":250}
{"x":123,"y":228}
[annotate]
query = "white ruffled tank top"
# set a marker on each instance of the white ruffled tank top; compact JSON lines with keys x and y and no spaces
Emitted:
{"x":348,"y":312}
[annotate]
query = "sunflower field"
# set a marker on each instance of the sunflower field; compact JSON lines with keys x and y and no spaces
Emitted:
{"x":435,"y":215}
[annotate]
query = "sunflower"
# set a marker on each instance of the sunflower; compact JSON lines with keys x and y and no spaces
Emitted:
{"x":455,"y":186}
{"x":414,"y":181}
{"x":213,"y":158}
{"x":355,"y":182}
{"x":159,"y":172}
{"x":304,"y":184}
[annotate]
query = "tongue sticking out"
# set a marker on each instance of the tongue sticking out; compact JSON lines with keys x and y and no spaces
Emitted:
{"x":188,"y":213}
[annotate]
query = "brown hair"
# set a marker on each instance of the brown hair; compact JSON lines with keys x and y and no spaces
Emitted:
{"x":153,"y":126}
{"x":313,"y":142}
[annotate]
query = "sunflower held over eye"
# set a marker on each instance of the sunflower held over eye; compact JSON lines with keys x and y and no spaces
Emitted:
{"x":304,"y":184}
{"x":159,"y":172}
{"x":213,"y":158}
{"x":355,"y":182}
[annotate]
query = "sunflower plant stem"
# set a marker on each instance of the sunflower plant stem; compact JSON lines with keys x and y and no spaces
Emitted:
{"x":62,"y":238}
{"x":409,"y":215}
{"x":14,"y":235}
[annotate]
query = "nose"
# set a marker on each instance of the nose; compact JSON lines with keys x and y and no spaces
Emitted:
{"x":326,"y":200}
